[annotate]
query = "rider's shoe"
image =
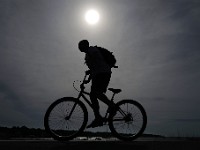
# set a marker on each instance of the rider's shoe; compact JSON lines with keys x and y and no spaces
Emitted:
{"x":96,"y":123}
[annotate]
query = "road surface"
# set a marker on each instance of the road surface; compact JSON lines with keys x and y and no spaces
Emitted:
{"x":99,"y":145}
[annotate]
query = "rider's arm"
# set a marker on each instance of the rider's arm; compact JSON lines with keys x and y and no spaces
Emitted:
{"x":89,"y":77}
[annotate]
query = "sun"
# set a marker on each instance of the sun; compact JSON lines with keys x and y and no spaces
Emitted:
{"x":92,"y":17}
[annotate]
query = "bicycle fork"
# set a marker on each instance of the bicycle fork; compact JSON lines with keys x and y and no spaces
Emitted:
{"x":69,"y":116}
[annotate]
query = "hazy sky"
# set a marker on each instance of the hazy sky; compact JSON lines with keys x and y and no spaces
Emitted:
{"x":156,"y":43}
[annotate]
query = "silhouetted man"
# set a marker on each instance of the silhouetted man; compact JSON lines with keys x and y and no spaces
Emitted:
{"x":100,"y":74}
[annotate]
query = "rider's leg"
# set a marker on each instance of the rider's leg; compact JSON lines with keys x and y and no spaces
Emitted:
{"x":95,"y":104}
{"x":104,"y":99}
{"x":111,"y":105}
{"x":99,"y":86}
{"x":98,"y":121}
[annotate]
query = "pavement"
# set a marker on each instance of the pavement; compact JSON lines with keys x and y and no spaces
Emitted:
{"x":100,"y":144}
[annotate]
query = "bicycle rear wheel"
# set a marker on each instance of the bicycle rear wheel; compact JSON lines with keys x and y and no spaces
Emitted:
{"x":66,"y":118}
{"x":130,"y":120}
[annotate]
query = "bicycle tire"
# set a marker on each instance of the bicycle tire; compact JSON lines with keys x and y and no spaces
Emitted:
{"x":128,"y":127}
{"x":58,"y":125}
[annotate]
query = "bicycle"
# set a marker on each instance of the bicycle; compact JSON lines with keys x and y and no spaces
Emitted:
{"x":67,"y":117}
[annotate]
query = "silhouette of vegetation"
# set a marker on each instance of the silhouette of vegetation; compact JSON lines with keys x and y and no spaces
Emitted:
{"x":22,"y":132}
{"x":25,"y":132}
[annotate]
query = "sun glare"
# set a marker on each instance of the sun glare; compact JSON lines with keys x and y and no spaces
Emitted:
{"x":92,"y":17}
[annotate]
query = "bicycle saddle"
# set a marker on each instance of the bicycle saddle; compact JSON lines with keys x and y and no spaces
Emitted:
{"x":115,"y":90}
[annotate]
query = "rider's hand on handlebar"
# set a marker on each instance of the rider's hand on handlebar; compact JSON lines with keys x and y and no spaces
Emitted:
{"x":86,"y":82}
{"x":82,"y":86}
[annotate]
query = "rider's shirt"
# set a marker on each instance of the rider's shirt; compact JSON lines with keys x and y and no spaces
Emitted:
{"x":96,"y":62}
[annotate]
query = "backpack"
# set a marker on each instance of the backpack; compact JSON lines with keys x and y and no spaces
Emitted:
{"x":108,"y":56}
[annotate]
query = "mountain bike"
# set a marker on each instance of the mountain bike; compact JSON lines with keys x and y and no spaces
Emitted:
{"x":67,"y":117}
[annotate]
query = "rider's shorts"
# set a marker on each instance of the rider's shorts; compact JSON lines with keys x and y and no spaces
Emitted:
{"x":100,"y":82}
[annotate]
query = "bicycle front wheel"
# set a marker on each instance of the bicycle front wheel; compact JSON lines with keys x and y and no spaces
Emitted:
{"x":66,"y":118}
{"x":130,"y":120}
